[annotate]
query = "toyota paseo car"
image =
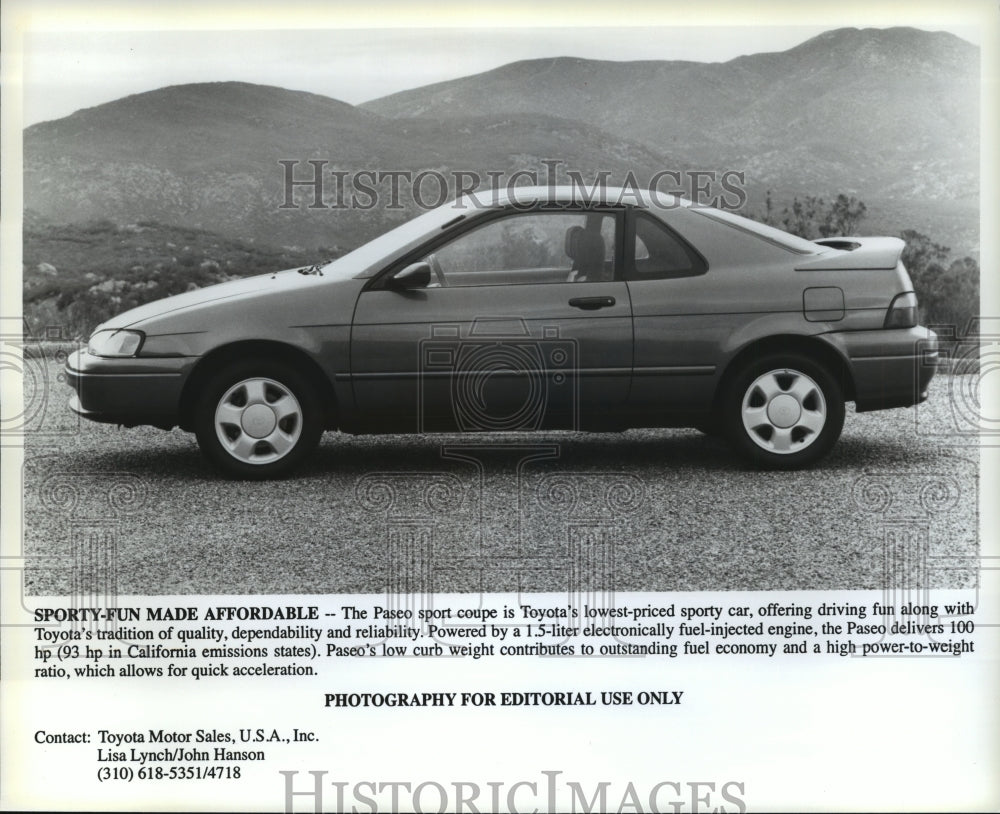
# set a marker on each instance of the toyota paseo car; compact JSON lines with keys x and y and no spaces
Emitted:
{"x":532,"y":309}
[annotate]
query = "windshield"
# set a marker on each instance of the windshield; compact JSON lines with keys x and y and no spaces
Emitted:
{"x":355,"y":263}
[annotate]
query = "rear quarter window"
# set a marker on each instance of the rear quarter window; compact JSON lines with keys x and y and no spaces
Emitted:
{"x":659,"y":253}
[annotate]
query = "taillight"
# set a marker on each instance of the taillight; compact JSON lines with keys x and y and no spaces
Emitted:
{"x":902,"y":311}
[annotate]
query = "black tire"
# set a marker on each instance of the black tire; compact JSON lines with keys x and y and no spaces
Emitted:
{"x":783,"y":411}
{"x":269,"y":434}
{"x":711,"y":426}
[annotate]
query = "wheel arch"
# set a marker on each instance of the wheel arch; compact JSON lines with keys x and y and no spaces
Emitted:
{"x":817,"y":349}
{"x":218,"y":358}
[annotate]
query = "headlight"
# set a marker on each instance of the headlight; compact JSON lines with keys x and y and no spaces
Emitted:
{"x":115,"y":343}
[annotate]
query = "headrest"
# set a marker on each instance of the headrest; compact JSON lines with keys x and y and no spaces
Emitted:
{"x":572,"y":235}
{"x":583,"y":244}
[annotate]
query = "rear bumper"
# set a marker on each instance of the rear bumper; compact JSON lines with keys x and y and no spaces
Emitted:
{"x":130,"y":392}
{"x":891,"y":368}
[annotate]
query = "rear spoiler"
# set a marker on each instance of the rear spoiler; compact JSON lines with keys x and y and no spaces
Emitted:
{"x":855,"y":253}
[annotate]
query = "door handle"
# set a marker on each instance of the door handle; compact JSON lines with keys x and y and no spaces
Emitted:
{"x":592,"y":303}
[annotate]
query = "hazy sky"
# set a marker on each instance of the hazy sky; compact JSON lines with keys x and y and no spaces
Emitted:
{"x":65,"y":71}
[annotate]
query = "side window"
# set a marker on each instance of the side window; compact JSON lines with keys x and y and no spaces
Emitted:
{"x":658,"y":253}
{"x":530,"y":248}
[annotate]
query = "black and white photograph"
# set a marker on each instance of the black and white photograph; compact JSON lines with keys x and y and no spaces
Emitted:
{"x":620,"y":373}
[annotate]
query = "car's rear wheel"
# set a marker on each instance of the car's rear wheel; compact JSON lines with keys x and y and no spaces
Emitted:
{"x":784,"y":411}
{"x":257,"y":419}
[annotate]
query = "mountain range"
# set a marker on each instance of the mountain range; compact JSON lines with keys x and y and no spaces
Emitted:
{"x":890,"y":116}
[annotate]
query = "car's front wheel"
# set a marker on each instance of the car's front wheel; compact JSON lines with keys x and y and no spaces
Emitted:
{"x":257,"y":419}
{"x":784,"y":411}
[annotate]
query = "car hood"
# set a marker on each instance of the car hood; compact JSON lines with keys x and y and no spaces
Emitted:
{"x":284,"y":281}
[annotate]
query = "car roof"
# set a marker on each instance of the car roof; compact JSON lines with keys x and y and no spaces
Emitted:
{"x":600,"y":195}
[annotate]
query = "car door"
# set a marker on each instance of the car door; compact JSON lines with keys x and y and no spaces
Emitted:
{"x":524,"y":325}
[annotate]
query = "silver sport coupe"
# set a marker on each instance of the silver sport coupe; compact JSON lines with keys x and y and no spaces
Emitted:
{"x":548,"y":309}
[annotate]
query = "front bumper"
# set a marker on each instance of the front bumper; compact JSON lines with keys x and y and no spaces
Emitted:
{"x":891,"y":368}
{"x":128,"y":391}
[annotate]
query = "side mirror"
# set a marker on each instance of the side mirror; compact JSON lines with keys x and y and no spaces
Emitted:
{"x":415,"y":275}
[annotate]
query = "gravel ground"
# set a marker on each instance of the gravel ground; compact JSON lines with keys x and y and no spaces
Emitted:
{"x":644,"y":510}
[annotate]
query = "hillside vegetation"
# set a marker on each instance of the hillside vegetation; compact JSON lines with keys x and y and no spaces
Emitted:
{"x":77,"y":276}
